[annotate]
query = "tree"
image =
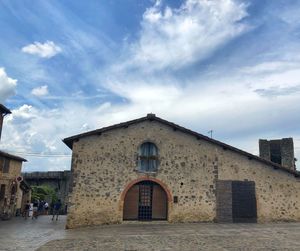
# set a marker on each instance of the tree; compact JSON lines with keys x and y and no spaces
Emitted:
{"x":43,"y":193}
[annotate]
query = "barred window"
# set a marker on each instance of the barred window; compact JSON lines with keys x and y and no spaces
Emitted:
{"x":148,"y":157}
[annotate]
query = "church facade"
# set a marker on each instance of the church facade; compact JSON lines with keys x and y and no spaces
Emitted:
{"x":152,"y":169}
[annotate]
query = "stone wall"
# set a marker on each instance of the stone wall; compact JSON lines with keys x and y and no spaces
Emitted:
{"x":277,"y":192}
{"x":103,"y":165}
{"x":224,"y":201}
{"x":59,"y":181}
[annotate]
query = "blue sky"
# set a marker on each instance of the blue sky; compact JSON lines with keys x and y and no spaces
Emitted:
{"x":66,"y":67}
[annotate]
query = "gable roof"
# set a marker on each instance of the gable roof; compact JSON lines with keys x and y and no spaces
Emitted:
{"x":10,"y":156}
{"x":151,"y":117}
{"x":4,"y":110}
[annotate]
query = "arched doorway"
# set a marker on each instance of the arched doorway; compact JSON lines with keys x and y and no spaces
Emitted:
{"x":145,"y":200}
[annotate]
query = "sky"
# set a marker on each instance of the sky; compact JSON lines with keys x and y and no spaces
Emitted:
{"x":67,"y":67}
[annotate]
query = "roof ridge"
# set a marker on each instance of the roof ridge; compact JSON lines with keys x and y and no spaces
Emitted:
{"x":69,"y":141}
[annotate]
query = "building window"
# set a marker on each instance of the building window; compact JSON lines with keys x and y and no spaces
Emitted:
{"x":275,"y":153}
{"x":4,"y":164}
{"x":148,"y":157}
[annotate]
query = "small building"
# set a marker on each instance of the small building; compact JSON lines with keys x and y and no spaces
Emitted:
{"x":12,"y":187}
{"x":13,"y":190}
{"x":153,"y":169}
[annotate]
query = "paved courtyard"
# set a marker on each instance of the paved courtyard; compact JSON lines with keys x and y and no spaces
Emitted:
{"x":43,"y":234}
{"x":19,"y":234}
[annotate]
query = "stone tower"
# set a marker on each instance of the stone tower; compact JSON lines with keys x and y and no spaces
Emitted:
{"x":280,"y":151}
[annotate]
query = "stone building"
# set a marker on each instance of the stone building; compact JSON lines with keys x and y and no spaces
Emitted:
{"x":152,"y":169}
{"x":13,"y":190}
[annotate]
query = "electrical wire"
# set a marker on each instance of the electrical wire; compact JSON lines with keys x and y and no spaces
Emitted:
{"x":41,"y":155}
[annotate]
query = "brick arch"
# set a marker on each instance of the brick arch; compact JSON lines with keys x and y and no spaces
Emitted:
{"x":145,"y":178}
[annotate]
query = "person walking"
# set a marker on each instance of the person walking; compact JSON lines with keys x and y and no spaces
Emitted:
{"x":56,"y":209}
{"x":46,"y":207}
{"x":40,"y":208}
{"x":35,"y":209}
{"x":26,"y":210}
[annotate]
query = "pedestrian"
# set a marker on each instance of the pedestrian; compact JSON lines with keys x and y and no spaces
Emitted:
{"x":35,"y":209}
{"x":40,"y":208}
{"x":56,"y":209}
{"x":46,"y":207}
{"x":26,"y":210}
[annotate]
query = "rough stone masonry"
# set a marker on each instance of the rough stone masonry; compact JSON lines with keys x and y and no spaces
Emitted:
{"x":105,"y":168}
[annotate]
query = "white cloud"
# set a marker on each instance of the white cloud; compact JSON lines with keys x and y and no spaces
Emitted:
{"x":176,"y":37}
{"x":7,"y":86}
{"x":40,"y":91}
{"x":24,"y":113}
{"x":274,"y":78}
{"x":46,"y":50}
{"x":270,"y":67}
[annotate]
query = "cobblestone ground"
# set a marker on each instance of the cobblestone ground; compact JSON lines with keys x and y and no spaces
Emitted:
{"x":283,"y":236}
{"x":26,"y":235}
{"x":19,"y":234}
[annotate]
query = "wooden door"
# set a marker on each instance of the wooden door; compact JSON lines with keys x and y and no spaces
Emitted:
{"x":145,"y":201}
{"x":131,"y":204}
{"x":159,"y":203}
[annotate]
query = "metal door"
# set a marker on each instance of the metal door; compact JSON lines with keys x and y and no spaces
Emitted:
{"x":145,"y":200}
{"x":244,"y":201}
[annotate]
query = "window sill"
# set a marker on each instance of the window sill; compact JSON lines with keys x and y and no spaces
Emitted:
{"x":145,"y":172}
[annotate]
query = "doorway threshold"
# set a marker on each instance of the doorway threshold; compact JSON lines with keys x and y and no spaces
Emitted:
{"x":159,"y":222}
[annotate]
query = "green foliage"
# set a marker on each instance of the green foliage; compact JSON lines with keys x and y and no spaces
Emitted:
{"x":43,"y":193}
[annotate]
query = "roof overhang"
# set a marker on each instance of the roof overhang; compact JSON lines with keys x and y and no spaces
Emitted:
{"x":10,"y":156}
{"x":4,"y":110}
